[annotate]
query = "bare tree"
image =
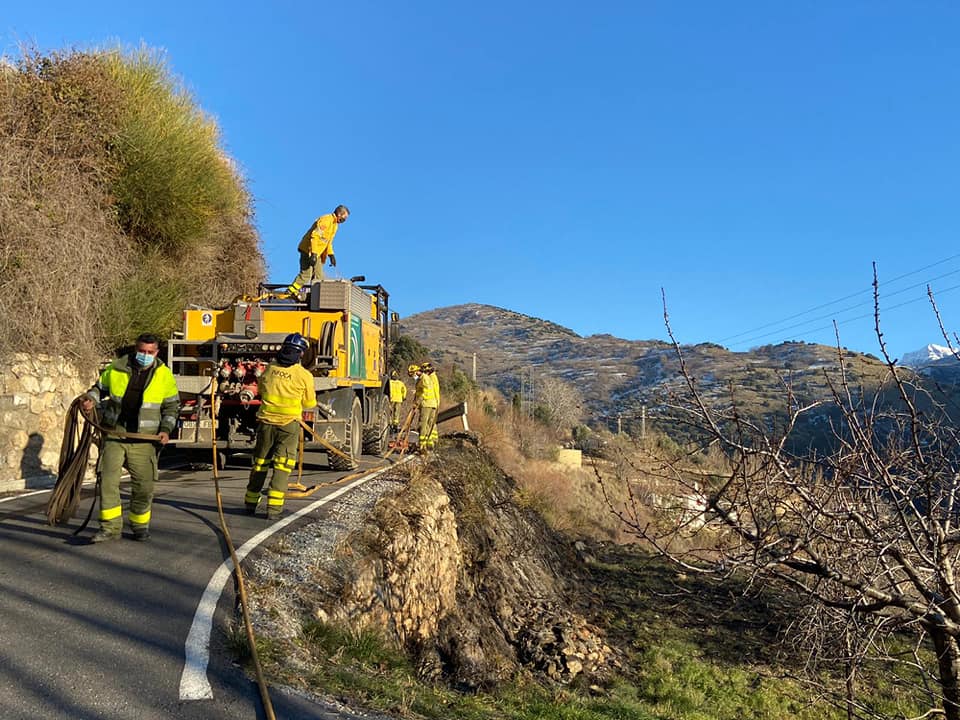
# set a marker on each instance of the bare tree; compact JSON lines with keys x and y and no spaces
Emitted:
{"x":562,"y":400}
{"x":870,"y":531}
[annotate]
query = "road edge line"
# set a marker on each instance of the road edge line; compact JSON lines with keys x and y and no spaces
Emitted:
{"x":194,"y":684}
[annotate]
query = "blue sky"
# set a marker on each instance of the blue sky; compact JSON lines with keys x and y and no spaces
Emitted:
{"x":567,"y":160}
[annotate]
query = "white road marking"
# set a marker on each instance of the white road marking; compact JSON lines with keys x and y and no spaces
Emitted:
{"x":194,"y":684}
{"x":38,"y":492}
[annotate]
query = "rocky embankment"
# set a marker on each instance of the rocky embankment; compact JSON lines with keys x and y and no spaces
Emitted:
{"x":437,"y":556}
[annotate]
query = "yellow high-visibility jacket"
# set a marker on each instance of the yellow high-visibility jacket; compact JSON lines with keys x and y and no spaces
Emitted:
{"x":161,"y":399}
{"x":285,"y":392}
{"x":398,"y":391}
{"x":426,"y":392}
{"x":319,"y":238}
{"x":436,"y":385}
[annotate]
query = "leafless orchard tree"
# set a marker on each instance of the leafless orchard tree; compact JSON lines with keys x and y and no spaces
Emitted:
{"x":562,"y":400}
{"x":869,"y":531}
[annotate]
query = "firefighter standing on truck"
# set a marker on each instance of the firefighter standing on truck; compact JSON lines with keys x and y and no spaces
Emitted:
{"x":135,"y":393}
{"x":398,"y":393}
{"x":426,"y":401}
{"x":286,"y":390}
{"x":316,"y":247}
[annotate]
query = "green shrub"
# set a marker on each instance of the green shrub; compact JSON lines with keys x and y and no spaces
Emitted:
{"x":173,"y":179}
{"x":144,"y":301}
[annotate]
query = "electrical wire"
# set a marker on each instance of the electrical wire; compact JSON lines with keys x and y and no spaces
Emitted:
{"x":868,"y":291}
{"x":751,"y":341}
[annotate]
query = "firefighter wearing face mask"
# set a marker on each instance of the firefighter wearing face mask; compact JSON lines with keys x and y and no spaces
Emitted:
{"x":136,"y":393}
{"x":286,"y":390}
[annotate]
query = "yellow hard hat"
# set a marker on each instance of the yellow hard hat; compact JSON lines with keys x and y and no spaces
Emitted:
{"x":412,"y":369}
{"x":426,"y":366}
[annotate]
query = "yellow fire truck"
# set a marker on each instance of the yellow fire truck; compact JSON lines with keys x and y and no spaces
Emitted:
{"x":218,"y":358}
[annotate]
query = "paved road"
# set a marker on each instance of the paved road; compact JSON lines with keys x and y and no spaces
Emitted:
{"x":98,"y":631}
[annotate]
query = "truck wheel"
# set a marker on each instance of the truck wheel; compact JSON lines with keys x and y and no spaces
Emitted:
{"x":375,"y":436}
{"x":352,"y":445}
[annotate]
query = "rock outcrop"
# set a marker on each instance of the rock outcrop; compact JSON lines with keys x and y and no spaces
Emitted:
{"x":472,"y":585}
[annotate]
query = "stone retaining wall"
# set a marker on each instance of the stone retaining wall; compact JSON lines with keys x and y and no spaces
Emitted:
{"x":35,"y":393}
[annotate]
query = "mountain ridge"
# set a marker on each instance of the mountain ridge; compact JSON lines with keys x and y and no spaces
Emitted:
{"x":619,"y":377}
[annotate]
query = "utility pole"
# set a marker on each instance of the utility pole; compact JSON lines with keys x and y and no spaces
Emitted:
{"x":533,"y":391}
{"x":643,"y":422}
{"x":619,"y":424}
{"x":474,"y":367}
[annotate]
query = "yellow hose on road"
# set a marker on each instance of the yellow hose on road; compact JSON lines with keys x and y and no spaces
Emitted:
{"x":238,"y":573}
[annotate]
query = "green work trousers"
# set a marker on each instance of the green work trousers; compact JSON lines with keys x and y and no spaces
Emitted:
{"x":428,"y":427}
{"x":279,"y":443}
{"x":311,"y":271}
{"x":395,"y":415}
{"x":141,"y":460}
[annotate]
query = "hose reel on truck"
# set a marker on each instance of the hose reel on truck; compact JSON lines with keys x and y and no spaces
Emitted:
{"x":347,"y":326}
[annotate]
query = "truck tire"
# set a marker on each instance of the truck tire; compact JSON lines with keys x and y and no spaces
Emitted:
{"x":375,"y":436}
{"x":352,"y":445}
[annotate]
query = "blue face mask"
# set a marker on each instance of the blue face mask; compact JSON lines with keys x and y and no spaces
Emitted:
{"x":144,"y":360}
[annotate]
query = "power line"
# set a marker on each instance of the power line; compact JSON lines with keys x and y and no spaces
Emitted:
{"x":838,"y":300}
{"x":857,"y":317}
{"x":850,"y":308}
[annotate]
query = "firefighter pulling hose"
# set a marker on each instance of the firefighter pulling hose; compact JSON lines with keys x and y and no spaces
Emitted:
{"x":286,"y":390}
{"x":80,"y":432}
{"x":132,"y":408}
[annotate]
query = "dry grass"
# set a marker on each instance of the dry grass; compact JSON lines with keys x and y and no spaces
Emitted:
{"x":570,"y":499}
{"x":636,"y":482}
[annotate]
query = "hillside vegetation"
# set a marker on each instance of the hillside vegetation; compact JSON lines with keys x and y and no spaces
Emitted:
{"x":626,"y":380}
{"x":118,"y":206}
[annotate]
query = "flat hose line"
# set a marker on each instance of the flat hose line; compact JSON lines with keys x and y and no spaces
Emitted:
{"x":238,"y":573}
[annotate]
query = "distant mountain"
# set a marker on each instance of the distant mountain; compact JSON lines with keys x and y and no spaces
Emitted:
{"x":617,"y":377}
{"x":926,"y":356}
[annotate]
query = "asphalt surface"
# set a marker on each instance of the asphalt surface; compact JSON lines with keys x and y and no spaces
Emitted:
{"x":98,"y":631}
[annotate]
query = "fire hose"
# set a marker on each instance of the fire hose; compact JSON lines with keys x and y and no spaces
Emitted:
{"x":238,"y":573}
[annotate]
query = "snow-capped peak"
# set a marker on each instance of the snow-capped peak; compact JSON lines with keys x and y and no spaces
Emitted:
{"x":925,"y":356}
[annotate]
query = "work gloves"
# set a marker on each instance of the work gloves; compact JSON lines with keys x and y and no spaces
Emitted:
{"x":314,"y":258}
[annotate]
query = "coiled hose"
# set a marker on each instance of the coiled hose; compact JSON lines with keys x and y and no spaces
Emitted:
{"x":78,"y":436}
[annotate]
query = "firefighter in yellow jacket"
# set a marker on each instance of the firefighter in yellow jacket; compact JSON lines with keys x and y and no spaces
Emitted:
{"x":426,"y":400}
{"x":398,"y":393}
{"x":135,"y":393}
{"x":286,"y":390}
{"x":428,"y":369}
{"x":316,"y":247}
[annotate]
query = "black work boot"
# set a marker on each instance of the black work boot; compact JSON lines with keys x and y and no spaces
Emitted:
{"x":141,"y":534}
{"x":250,"y":508}
{"x":274,"y":514}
